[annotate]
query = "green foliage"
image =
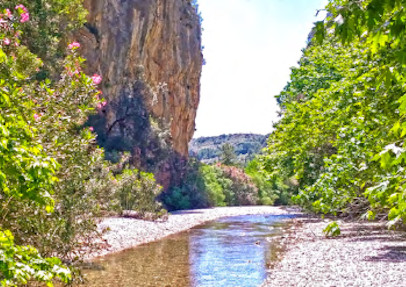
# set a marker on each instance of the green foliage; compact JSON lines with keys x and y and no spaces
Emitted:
{"x":246,"y":146}
{"x":212,"y":185}
{"x":27,"y":173}
{"x":137,"y":191}
{"x":178,"y":199}
{"x":191,"y":192}
{"x":51,"y":21}
{"x":215,"y":185}
{"x":54,"y":181}
{"x":61,"y":108}
{"x":268,"y":190}
{"x":332,"y":229}
{"x":23,"y":264}
{"x":341,"y":138}
{"x":380,"y":23}
{"x":228,"y":156}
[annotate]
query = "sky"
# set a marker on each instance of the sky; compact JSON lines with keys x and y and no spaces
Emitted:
{"x":249,"y":48}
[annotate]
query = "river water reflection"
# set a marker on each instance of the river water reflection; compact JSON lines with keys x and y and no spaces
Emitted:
{"x":229,"y":252}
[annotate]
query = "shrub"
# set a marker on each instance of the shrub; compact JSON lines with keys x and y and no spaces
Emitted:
{"x":27,"y":173}
{"x":271,"y":189}
{"x":137,"y":191}
{"x":243,"y":189}
{"x":214,"y":185}
{"x":177,"y":199}
{"x":54,"y":182}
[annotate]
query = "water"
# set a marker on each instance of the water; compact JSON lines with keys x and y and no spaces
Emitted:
{"x":229,"y":252}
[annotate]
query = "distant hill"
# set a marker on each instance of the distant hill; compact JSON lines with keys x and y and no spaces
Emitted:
{"x":208,"y":149}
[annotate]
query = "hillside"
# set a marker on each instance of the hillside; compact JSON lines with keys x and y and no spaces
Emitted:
{"x":208,"y":149}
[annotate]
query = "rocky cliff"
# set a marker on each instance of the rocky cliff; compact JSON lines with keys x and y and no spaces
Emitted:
{"x":149,"y":55}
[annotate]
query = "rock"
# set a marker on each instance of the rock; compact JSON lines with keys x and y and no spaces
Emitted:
{"x":149,"y":55}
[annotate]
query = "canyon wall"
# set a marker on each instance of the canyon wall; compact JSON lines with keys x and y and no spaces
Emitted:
{"x":149,"y":55}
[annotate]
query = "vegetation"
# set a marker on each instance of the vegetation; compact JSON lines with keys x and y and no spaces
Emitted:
{"x":54,"y":182}
{"x":271,"y":191}
{"x":228,"y":156}
{"x":212,"y":185}
{"x":342,"y":136}
{"x":338,"y":149}
{"x":225,"y":185}
{"x":209,"y":149}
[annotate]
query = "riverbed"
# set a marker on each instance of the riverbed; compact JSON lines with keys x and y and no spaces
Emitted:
{"x":124,"y":233}
{"x":232,"y":251}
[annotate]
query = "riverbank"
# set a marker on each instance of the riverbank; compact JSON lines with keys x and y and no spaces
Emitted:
{"x":124,"y":233}
{"x":365,"y":254}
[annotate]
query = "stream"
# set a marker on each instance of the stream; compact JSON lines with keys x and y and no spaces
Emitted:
{"x":228,"y":252}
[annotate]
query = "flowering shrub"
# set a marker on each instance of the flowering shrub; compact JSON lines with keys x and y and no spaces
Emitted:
{"x":26,"y":172}
{"x":47,"y":24}
{"x":243,"y":190}
{"x":54,"y":181}
{"x":212,"y":185}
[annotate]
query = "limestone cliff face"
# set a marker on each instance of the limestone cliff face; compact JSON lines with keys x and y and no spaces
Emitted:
{"x":149,"y":55}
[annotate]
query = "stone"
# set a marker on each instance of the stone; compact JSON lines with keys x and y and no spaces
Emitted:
{"x":149,"y":55}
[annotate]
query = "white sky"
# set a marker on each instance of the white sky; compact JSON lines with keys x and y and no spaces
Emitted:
{"x":250,"y":46}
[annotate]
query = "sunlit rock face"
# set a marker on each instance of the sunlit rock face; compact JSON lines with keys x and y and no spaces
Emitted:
{"x":149,"y":55}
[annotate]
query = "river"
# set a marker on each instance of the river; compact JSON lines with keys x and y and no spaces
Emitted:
{"x":229,"y":252}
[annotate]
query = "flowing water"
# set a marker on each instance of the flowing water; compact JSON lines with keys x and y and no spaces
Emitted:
{"x":229,"y":252}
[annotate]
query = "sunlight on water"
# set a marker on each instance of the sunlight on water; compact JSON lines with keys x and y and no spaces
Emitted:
{"x":229,"y":252}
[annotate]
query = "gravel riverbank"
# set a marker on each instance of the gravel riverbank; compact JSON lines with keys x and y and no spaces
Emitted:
{"x":124,"y":233}
{"x":365,"y":254}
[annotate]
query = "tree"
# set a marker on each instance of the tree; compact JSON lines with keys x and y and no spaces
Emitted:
{"x":228,"y":156}
{"x":341,"y":139}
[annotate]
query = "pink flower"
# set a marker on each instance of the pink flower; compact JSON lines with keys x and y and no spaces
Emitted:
{"x":7,"y":41}
{"x":37,"y":116}
{"x":22,"y":7}
{"x":96,"y":79}
{"x":101,"y":105}
{"x":74,"y":45}
{"x":25,"y":17}
{"x":8,"y":13}
{"x":91,"y":129}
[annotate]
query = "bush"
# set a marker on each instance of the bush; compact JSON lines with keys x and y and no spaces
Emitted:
{"x":27,"y":173}
{"x":271,"y":189}
{"x":212,"y":185}
{"x":191,"y":191}
{"x":23,"y":264}
{"x":54,"y":181}
{"x":242,"y":190}
{"x":137,"y":191}
{"x":177,"y":199}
